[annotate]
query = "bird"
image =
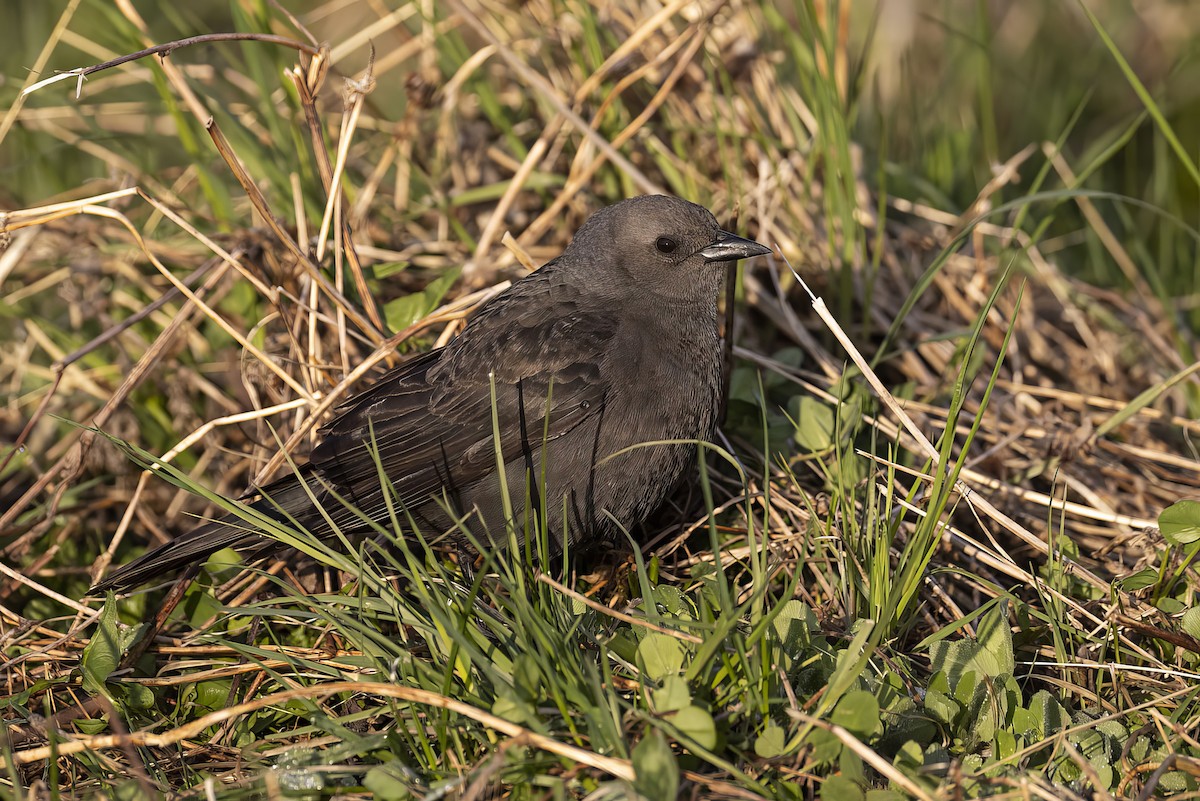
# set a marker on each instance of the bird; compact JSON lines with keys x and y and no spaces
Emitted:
{"x":597,"y":372}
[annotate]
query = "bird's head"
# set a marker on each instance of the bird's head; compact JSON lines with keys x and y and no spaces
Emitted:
{"x":658,"y":244}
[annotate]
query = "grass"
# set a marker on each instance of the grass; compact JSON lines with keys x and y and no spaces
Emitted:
{"x":945,"y":548}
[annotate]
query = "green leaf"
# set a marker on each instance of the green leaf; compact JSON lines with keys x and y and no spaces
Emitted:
{"x":209,"y":696}
{"x":825,"y":745}
{"x":839,"y":788}
{"x":527,"y":678}
{"x":858,"y":713}
{"x":673,"y":601}
{"x":1170,"y":606}
{"x":885,"y":795}
{"x":223,"y":560}
{"x":672,"y":696}
{"x":1024,"y":722}
{"x":387,"y":782}
{"x":1114,"y":730}
{"x":793,"y":624}
{"x":516,"y":711}
{"x":851,"y":766}
{"x":815,"y":423}
{"x":983,"y":710}
{"x":1190,"y":622}
{"x":771,"y":743}
{"x":198,"y":606}
{"x":403,"y":312}
{"x":909,"y":756}
{"x":941,"y":706}
{"x":952,"y":658}
{"x":968,"y":684}
{"x":90,"y":726}
{"x":744,"y":384}
{"x":102,"y":654}
{"x":1006,"y":743}
{"x":660,"y":656}
{"x":655,"y":768}
{"x":138,"y":696}
{"x":1180,"y":522}
{"x":1143,"y":578}
{"x":697,"y":724}
{"x":386,"y":269}
{"x":1050,"y":716}
{"x":995,"y":657}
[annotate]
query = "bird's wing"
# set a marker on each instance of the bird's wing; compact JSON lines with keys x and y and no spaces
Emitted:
{"x":431,"y":420}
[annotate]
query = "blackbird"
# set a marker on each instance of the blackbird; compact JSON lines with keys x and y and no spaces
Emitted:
{"x":598,"y":371}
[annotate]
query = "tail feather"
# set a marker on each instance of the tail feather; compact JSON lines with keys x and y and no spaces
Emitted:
{"x":285,"y":498}
{"x":191,"y":548}
{"x":289,"y":501}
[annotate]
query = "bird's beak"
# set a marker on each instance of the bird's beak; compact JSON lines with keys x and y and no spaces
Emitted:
{"x":731,"y":247}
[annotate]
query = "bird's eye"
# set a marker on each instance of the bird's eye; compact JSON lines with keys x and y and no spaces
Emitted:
{"x":666,"y":244}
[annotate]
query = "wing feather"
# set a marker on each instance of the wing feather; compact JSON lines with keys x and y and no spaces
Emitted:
{"x":430,"y":421}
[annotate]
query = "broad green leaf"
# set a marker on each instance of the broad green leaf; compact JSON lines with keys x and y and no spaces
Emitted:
{"x":138,"y":696}
{"x":198,"y":606}
{"x":672,"y":696}
{"x":909,"y":756}
{"x":386,"y":782}
{"x":90,"y":726}
{"x":1170,"y":606}
{"x":1143,"y":578}
{"x":403,"y":312}
{"x":952,"y":658}
{"x":792,"y":625}
{"x":885,"y":795}
{"x":815,"y":423}
{"x":858,"y":713}
{"x":1049,"y":714}
{"x":941,"y":706}
{"x":655,"y":768}
{"x":839,"y":788}
{"x":515,"y":711}
{"x":1091,"y":744}
{"x":1190,"y":622}
{"x":209,"y":696}
{"x":697,"y":724}
{"x":983,"y":711}
{"x":102,"y":654}
{"x":851,"y":766}
{"x":660,"y":656}
{"x":223,"y":560}
{"x":673,"y":601}
{"x":1006,"y":743}
{"x":968,"y":685}
{"x":771,"y":743}
{"x":1114,"y":730}
{"x":826,"y":747}
{"x":1180,"y":522}
{"x":995,"y":657}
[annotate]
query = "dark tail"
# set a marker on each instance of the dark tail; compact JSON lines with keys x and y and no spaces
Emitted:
{"x":282,"y":499}
{"x":194,"y":547}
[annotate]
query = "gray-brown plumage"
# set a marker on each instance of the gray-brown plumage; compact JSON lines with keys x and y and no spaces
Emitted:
{"x":611,"y":345}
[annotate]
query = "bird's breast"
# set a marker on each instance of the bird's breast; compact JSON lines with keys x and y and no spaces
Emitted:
{"x":666,"y":378}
